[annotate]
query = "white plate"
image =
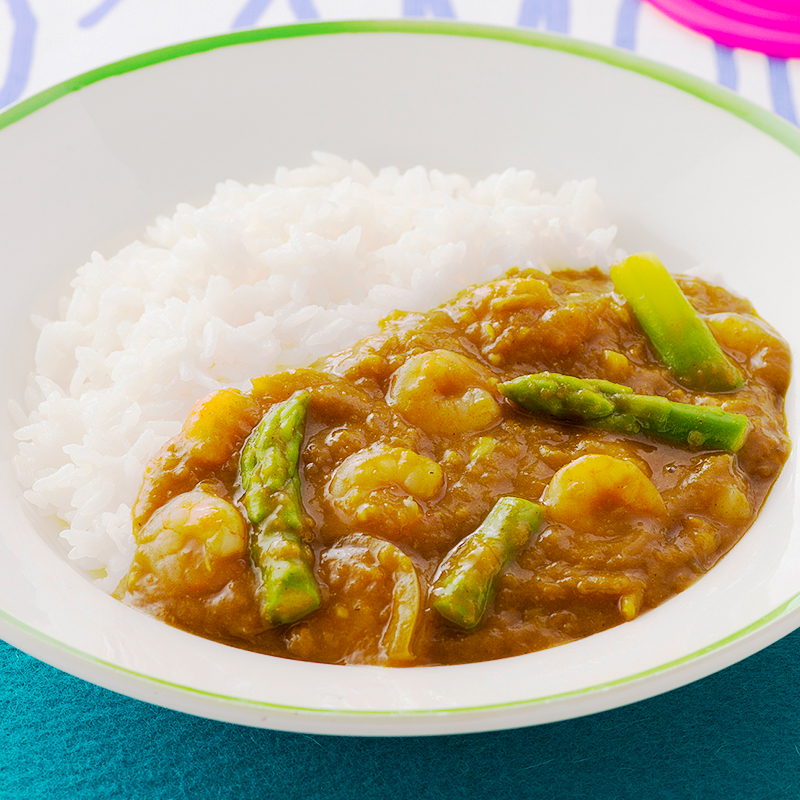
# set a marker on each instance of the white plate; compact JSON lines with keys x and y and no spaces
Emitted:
{"x":687,"y":170}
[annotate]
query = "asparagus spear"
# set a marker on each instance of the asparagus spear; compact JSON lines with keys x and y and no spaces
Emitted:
{"x":617,"y":408}
{"x":466,"y":577}
{"x":271,"y":483}
{"x":676,"y":331}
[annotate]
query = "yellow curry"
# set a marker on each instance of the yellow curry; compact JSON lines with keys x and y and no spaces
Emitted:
{"x":543,"y":457}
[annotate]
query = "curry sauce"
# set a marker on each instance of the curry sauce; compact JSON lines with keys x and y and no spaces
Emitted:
{"x":407,"y":444}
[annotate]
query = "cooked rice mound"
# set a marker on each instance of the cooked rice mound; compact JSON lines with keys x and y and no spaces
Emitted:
{"x":260,"y":279}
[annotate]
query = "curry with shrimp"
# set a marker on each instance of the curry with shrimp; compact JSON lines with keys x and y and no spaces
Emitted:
{"x":542,"y":458}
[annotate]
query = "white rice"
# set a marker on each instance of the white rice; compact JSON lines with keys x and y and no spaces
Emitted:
{"x":260,"y":279}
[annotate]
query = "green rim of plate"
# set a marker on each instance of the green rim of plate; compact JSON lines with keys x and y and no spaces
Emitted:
{"x":765,"y":121}
{"x":83,"y":657}
{"x":760,"y":118}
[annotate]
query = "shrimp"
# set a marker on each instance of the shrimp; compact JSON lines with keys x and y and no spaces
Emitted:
{"x":406,"y":603}
{"x":716,"y":482}
{"x":586,"y":493}
{"x":766,"y":352}
{"x":444,"y":392}
{"x":212,"y":433}
{"x":194,"y":545}
{"x":378,"y":486}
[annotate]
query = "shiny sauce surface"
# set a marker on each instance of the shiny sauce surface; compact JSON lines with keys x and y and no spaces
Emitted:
{"x":408,"y":445}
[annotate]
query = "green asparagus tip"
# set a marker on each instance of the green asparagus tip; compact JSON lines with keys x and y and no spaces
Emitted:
{"x":269,"y":475}
{"x":616,"y":408}
{"x":676,"y":331}
{"x":466,"y":578}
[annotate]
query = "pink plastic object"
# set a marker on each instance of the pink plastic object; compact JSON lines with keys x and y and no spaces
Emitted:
{"x":767,"y":26}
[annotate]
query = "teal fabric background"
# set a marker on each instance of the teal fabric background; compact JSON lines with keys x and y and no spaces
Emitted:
{"x":733,"y":735}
